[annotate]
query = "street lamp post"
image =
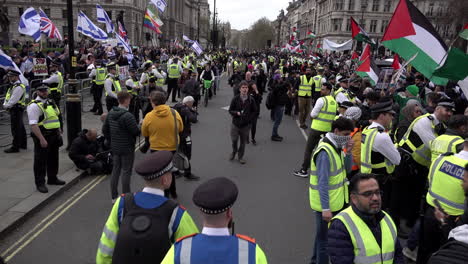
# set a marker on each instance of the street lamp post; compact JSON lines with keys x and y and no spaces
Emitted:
{"x":198,"y":21}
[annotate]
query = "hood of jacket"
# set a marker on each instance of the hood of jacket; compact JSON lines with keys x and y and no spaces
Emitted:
{"x":116,"y":113}
{"x":161,"y":110}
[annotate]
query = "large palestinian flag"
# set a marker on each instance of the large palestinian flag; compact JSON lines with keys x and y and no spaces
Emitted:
{"x":359,"y":34}
{"x":368,"y":69}
{"x":365,"y":54}
{"x":410,"y":33}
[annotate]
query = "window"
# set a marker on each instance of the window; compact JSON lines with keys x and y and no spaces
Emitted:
{"x":351,"y":5}
{"x":336,"y":24}
{"x":373,"y":26}
{"x":64,"y":13}
{"x":20,"y":11}
{"x":430,"y":10}
{"x":383,"y":26}
{"x":375,"y":5}
{"x":108,"y":1}
{"x":47,"y":12}
{"x":339,"y":4}
{"x":348,"y":25}
{"x":387,"y":6}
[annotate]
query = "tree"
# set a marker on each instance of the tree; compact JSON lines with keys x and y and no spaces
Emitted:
{"x":259,"y":33}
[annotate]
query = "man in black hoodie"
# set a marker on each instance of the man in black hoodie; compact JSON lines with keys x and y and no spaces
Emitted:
{"x":120,"y":127}
{"x":83,"y":151}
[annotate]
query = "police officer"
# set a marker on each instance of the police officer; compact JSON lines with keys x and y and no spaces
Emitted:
{"x":341,"y":94}
{"x":142,"y":226}
{"x":112,"y":86}
{"x":159,"y":74}
{"x":323,"y":114}
{"x":46,"y":129}
{"x":174,"y":72}
{"x":378,"y":153}
{"x":146,"y":75}
{"x":55,"y":82}
{"x":98,"y":75}
{"x":15,"y":102}
{"x":215,"y":198}
{"x":318,"y":81}
{"x":305,"y":97}
{"x":363,"y":233}
{"x":133,"y":87}
{"x":452,"y":140}
{"x":445,"y":193}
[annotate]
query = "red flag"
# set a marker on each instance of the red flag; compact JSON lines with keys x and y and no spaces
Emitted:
{"x":396,"y":62}
{"x":355,"y":56}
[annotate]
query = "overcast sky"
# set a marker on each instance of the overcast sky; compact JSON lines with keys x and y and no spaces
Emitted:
{"x":243,"y":13}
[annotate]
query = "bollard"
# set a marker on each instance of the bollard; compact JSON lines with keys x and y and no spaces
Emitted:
{"x":73,"y":112}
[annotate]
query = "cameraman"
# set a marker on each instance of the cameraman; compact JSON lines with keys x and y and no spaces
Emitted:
{"x":84,"y":150}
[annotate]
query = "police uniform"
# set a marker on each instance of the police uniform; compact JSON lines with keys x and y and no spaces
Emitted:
{"x":55,"y":83}
{"x":174,"y":71}
{"x":304,"y":96}
{"x":133,"y":87}
{"x":112,"y":87}
{"x":214,"y":197}
{"x":15,"y":102}
{"x":99,"y":76}
{"x":142,"y":226}
{"x":45,"y":114}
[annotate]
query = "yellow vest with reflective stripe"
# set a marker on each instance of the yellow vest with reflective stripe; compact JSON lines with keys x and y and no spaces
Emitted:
{"x":305,"y":88}
{"x":366,"y":248}
{"x":443,"y":144}
{"x":337,"y":182}
{"x":367,"y":165}
{"x":445,"y":178}
{"x":131,"y":90}
{"x":174,"y":71}
{"x":323,"y":122}
{"x":318,"y":82}
{"x":115,"y":84}
{"x":51,"y":115}
{"x":421,"y":153}
{"x":339,"y":90}
{"x":22,"y":100}
{"x":60,"y":83}
{"x":100,"y":76}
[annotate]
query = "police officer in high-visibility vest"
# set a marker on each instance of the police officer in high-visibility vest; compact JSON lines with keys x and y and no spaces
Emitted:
{"x":142,"y":226}
{"x":341,"y":94}
{"x":133,"y":87}
{"x":446,"y":194}
{"x":452,"y":140}
{"x":174,"y":72}
{"x":304,"y":96}
{"x":46,"y":131}
{"x":378,"y":153}
{"x":15,"y":102}
{"x":98,"y":75}
{"x":159,"y":74}
{"x":112,"y":86}
{"x":318,"y":80}
{"x":415,"y":151}
{"x":328,"y":188}
{"x":216,"y":244}
{"x":55,"y":82}
{"x":363,"y":233}
{"x":322,"y":115}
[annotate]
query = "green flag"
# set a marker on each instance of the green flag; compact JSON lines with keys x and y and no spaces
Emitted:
{"x":464,"y":33}
{"x":455,"y":67}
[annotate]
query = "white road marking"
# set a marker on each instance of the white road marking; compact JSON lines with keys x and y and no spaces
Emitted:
{"x":302,"y":130}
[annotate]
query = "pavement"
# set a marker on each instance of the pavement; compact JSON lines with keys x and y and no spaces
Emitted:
{"x":272,"y":207}
{"x":18,"y":196}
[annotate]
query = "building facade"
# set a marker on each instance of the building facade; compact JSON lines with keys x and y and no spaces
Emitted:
{"x":181,"y":17}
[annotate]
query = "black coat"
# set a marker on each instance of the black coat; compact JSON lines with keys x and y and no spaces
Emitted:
{"x":80,"y":148}
{"x":280,"y":94}
{"x":191,"y":87}
{"x":188,"y":117}
{"x":121,"y":129}
{"x":247,"y":109}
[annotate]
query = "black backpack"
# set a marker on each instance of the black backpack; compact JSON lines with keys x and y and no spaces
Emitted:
{"x":269,"y":103}
{"x":453,"y":252}
{"x":143,"y":235}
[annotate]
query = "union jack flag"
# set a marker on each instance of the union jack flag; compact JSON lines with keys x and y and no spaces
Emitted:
{"x":47,"y":27}
{"x":122,"y":31}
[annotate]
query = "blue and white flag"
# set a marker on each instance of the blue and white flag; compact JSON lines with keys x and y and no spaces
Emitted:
{"x":30,"y":24}
{"x":7,"y":63}
{"x":86,"y":27}
{"x":160,"y":4}
{"x":123,"y":43}
{"x":187,"y":39}
{"x":102,"y":17}
{"x":197,"y":48}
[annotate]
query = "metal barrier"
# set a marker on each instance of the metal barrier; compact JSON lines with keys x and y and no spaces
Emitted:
{"x":82,"y":75}
{"x":3,"y":90}
{"x":84,"y":85}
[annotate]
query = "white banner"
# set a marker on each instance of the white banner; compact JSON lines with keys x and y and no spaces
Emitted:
{"x":330,"y":45}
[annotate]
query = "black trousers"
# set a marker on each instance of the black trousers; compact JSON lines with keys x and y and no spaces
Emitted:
{"x":111,"y":102}
{"x":172,"y":86}
{"x":186,"y":147}
{"x":253,"y":127}
{"x":46,"y":160}
{"x":134,"y":108}
{"x":56,"y":96}
{"x":17,"y":128}
{"x":312,"y":141}
{"x":97,"y":97}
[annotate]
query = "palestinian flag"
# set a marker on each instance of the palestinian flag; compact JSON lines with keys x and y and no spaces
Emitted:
{"x":368,"y":69}
{"x":310,"y":34}
{"x":464,"y":33}
{"x":455,"y":67}
{"x":359,"y":34}
{"x":365,"y":54}
{"x":396,"y":65}
{"x":355,"y":56}
{"x":410,"y":33}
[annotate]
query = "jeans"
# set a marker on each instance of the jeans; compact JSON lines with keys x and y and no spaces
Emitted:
{"x":304,"y":108}
{"x":243,"y":134}
{"x":123,"y":164}
{"x":320,"y":254}
{"x":278,"y":117}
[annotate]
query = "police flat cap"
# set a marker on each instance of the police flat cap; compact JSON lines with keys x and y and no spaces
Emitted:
{"x":448,"y":103}
{"x":155,"y":165}
{"x":346,"y":104}
{"x":42,"y":87}
{"x":215,"y":196}
{"x":111,"y":65}
{"x":132,"y":70}
{"x":382,"y":107}
{"x":13,"y":73}
{"x":343,"y":80}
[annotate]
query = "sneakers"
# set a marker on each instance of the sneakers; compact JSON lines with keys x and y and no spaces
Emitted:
{"x":411,"y":254}
{"x":241,"y":161}
{"x":301,"y":173}
{"x":277,"y":138}
{"x":232,"y":156}
{"x":254,"y":142}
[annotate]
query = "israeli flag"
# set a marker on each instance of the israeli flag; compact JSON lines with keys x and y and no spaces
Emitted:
{"x":7,"y":63}
{"x":30,"y":24}
{"x":187,"y":39}
{"x":123,"y":43}
{"x":197,"y":48}
{"x":86,"y":27}
{"x":102,"y":17}
{"x":160,"y":4}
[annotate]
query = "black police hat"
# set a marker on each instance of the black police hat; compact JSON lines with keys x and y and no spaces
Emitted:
{"x":346,"y":104}
{"x":132,"y":70}
{"x":13,"y":73}
{"x":215,"y":196}
{"x":111,"y":65}
{"x":448,"y":103}
{"x":42,"y":87}
{"x":155,"y":165}
{"x":382,"y":107}
{"x":343,"y":80}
